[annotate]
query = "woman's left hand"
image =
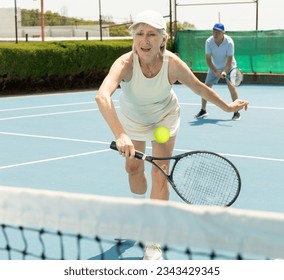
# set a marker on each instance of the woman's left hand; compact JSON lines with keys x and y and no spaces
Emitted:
{"x":238,"y":105}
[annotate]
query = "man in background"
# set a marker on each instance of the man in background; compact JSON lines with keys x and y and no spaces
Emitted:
{"x":220,"y":59}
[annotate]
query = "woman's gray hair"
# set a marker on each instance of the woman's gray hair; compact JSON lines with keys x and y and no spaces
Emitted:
{"x":162,"y":31}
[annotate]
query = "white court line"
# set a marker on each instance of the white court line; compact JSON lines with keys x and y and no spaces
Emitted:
{"x":249,"y":107}
{"x":241,"y":156}
{"x":52,"y":137}
{"x":94,"y":109}
{"x":254,"y":157}
{"x":265,"y":108}
{"x":115,"y":100}
{"x":45,"y":106}
{"x":51,"y":94}
{"x":50,"y":106}
{"x":107,"y":143}
{"x":49,"y":114}
{"x":52,"y":159}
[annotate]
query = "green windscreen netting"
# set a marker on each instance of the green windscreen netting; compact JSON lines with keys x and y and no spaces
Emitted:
{"x":255,"y":51}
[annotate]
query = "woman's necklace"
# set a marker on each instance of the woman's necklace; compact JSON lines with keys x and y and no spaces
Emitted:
{"x":147,"y":69}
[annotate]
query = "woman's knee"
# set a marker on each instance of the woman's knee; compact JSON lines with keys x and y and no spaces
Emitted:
{"x":157,"y":173}
{"x":134,"y":167}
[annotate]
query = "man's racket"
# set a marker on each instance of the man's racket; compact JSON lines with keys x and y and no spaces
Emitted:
{"x":235,"y":76}
{"x":200,"y":177}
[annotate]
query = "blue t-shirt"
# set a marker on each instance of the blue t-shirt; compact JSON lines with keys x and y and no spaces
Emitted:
{"x":220,"y":53}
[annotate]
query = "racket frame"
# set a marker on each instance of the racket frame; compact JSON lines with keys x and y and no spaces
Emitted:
{"x":228,"y":76}
{"x":151,"y":159}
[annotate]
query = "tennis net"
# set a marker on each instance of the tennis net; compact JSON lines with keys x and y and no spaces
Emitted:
{"x":43,"y":224}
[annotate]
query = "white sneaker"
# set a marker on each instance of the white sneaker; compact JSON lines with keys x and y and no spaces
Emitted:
{"x":153,"y":252}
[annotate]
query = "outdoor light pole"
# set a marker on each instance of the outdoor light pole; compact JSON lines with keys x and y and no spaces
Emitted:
{"x":100,"y":20}
{"x":175,"y":16}
{"x":16,"y":22}
{"x":171,"y":20}
{"x":42,"y":19}
{"x":256,"y":15}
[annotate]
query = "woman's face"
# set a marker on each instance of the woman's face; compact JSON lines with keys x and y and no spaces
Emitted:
{"x":147,"y":40}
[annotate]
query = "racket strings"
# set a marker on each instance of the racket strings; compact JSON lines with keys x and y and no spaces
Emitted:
{"x":206,"y":179}
{"x":236,"y":77}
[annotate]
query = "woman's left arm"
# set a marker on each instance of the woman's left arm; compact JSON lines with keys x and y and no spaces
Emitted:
{"x":179,"y":71}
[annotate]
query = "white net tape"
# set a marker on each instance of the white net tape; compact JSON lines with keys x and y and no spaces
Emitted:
{"x":254,"y":233}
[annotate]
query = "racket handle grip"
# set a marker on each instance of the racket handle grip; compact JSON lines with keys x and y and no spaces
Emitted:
{"x":113,"y":146}
{"x":138,"y":155}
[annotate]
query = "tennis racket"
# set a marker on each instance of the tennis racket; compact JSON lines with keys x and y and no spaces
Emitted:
{"x":235,"y":76}
{"x":200,"y":177}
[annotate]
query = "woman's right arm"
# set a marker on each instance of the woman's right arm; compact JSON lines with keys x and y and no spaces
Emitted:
{"x":120,"y":70}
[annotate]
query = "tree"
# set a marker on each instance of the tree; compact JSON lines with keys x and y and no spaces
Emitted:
{"x":30,"y":17}
{"x":119,"y":30}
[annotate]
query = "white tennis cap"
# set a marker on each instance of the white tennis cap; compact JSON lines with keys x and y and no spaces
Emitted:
{"x":150,"y":17}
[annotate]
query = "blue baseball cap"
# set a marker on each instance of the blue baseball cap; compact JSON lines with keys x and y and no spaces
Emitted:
{"x":219,"y":26}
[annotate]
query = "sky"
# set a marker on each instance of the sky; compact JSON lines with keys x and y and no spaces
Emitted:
{"x":234,"y":16}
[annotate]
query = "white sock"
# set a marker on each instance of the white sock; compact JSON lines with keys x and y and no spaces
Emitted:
{"x":139,"y":196}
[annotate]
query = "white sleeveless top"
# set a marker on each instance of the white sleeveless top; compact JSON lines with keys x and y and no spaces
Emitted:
{"x":146,"y":103}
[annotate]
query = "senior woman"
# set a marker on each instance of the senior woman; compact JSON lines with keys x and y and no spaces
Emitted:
{"x":146,"y":76}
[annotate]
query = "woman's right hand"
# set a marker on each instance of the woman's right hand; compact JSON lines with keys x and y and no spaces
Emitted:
{"x":125,"y":146}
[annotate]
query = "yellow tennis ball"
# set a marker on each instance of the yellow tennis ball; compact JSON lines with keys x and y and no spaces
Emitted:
{"x":161,"y":134}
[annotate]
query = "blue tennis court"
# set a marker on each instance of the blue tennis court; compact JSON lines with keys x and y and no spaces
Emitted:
{"x":61,"y":142}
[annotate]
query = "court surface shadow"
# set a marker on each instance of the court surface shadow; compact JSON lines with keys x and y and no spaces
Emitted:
{"x":119,"y":252}
{"x":205,"y":121}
